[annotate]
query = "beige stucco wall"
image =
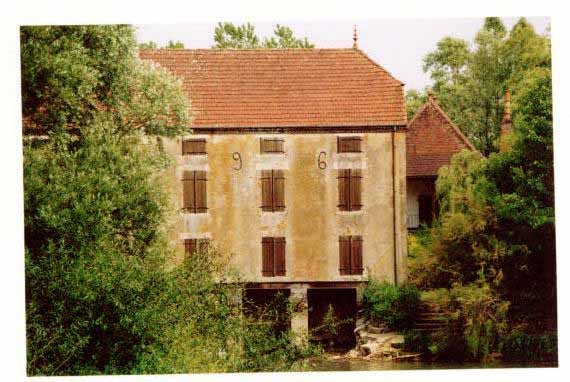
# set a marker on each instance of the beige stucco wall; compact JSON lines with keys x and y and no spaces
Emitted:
{"x":311,"y":222}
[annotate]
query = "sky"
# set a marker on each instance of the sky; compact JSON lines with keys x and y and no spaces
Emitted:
{"x":399,"y":45}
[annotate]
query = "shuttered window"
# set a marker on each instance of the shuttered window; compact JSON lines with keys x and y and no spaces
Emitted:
{"x":271,"y":145}
{"x":272,"y":190}
{"x":194,"y":147}
{"x":192,"y":246}
{"x":350,"y":255}
{"x":273,"y":256}
{"x":349,"y":144}
{"x":194,"y":189}
{"x":349,"y":190}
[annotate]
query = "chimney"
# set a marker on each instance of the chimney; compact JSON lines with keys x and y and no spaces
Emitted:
{"x":506,"y":125}
{"x":431,"y":96}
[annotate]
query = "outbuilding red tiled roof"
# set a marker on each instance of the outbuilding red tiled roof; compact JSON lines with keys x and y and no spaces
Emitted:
{"x":432,"y":139}
{"x":284,"y":87}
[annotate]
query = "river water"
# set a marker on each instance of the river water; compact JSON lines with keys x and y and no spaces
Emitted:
{"x":359,"y":364}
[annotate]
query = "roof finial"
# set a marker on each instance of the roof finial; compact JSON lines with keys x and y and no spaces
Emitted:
{"x":355,"y":39}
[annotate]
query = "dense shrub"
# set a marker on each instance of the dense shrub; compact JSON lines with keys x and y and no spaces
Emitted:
{"x":391,"y":304}
{"x":519,"y":346}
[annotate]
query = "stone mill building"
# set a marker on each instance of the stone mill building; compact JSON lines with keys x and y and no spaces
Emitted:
{"x":296,"y":165}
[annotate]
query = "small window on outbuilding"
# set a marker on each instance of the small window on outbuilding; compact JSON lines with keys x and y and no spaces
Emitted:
{"x":194,"y":147}
{"x":349,"y":144}
{"x":272,"y":145}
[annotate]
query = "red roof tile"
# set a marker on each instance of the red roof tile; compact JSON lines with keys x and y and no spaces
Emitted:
{"x":432,"y":139}
{"x":285,"y":87}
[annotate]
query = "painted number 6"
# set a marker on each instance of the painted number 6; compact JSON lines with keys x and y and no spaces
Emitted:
{"x":320,"y":162}
{"x":237,"y":158}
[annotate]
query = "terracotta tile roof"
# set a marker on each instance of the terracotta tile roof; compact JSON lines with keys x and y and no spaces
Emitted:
{"x":285,"y":87}
{"x":431,"y":141}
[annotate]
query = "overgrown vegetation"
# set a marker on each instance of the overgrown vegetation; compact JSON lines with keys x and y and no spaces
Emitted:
{"x":392,"y":305}
{"x":493,"y":248}
{"x":104,"y":292}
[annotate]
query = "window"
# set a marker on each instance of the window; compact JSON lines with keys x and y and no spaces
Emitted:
{"x":192,"y":246}
{"x":349,"y":144}
{"x":194,"y":189}
{"x":272,"y":190}
{"x":194,"y":147}
{"x":273,"y":256}
{"x":271,"y":145}
{"x":349,"y":190}
{"x":350,"y":253}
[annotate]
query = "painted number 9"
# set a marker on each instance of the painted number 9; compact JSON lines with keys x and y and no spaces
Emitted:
{"x":237,"y":158}
{"x":321,"y":162}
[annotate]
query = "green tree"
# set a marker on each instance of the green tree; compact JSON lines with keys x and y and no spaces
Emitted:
{"x":175,"y":45}
{"x":470,"y":81}
{"x":72,"y":73}
{"x":148,"y":45}
{"x":523,"y":199}
{"x":229,"y":36}
{"x":449,"y":61}
{"x":93,"y":213}
{"x":414,"y":100}
{"x":285,"y":39}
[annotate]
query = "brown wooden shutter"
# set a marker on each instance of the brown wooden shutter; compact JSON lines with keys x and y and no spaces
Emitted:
{"x":355,"y":143}
{"x":263,"y":145}
{"x":344,"y":254}
{"x":189,"y":246}
{"x":188,"y":191}
{"x":348,"y":144}
{"x":266,"y":190}
{"x":267,"y":267}
{"x":356,"y":255}
{"x":271,"y":145}
{"x":193,"y":146}
{"x":278,"y":190}
{"x":355,"y":189}
{"x":344,"y":190}
{"x":279,"y":252}
{"x":201,"y":192}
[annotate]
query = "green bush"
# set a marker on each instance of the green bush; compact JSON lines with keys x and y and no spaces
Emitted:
{"x":391,"y":304}
{"x":519,"y":346}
